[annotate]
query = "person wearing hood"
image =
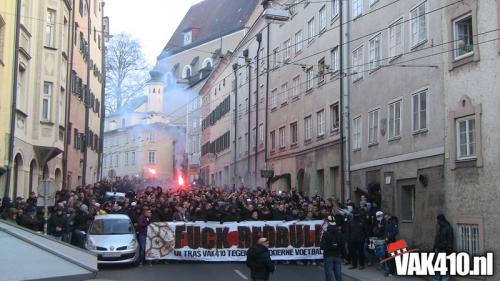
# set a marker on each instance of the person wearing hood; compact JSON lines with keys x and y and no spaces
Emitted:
{"x":443,"y":242}
{"x":332,"y":244}
{"x":259,"y":261}
{"x":356,"y":233}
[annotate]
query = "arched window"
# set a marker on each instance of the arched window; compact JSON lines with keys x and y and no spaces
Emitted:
{"x":186,"y":72}
{"x":208,"y":63}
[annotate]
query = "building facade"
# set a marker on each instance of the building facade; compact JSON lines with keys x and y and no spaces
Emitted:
{"x":42,"y":87}
{"x":471,"y":112}
{"x":304,"y":100}
{"x":141,"y":141}
{"x":8,"y":24}
{"x":85,"y":106}
{"x":205,"y":33}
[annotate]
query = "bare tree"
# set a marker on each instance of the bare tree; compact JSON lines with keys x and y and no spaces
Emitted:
{"x":126,"y":71}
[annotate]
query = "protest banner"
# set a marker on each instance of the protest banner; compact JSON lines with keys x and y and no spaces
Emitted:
{"x":213,"y":241}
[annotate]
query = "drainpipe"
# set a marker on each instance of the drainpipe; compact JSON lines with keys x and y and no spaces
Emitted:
{"x":10,"y":160}
{"x":103,"y":98}
{"x":259,"y":41}
{"x":235,"y":69}
{"x":71,"y":34}
{"x":86,"y":100}
{"x":345,"y":150}
{"x":249,"y":107}
{"x":267,"y":97}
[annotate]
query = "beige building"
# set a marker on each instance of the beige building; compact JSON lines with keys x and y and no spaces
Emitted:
{"x":471,"y":113}
{"x":42,"y":86}
{"x":209,"y":30}
{"x":8,"y":27}
{"x":85,"y":106}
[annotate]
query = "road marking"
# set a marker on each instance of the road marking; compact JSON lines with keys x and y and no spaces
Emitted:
{"x":241,"y":274}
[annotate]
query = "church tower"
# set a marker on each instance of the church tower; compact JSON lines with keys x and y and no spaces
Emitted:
{"x":156,"y":91}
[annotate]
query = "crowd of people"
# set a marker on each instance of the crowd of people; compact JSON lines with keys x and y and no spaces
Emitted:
{"x":75,"y":209}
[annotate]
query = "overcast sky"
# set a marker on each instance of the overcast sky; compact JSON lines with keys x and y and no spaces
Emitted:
{"x":152,"y":22}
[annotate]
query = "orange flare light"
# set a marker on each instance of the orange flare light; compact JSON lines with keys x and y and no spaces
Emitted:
{"x":180,"y":180}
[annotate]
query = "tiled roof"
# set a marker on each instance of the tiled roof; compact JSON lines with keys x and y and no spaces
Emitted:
{"x":209,"y":20}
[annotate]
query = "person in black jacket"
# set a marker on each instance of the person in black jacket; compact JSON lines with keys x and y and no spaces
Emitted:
{"x":443,"y":242}
{"x":332,"y":244}
{"x":58,"y":224}
{"x":356,"y":233}
{"x":259,"y":261}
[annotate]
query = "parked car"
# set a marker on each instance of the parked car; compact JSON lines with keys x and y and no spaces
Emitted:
{"x":113,"y":239}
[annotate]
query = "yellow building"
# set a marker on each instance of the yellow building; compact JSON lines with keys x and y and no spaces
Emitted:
{"x":7,"y":43}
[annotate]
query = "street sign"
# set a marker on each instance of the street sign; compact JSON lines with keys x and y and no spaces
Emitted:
{"x":46,"y":193}
{"x":267,"y":173}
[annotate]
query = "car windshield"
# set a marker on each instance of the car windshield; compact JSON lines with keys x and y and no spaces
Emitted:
{"x":111,"y":226}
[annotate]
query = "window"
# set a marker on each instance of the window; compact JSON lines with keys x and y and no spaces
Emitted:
{"x":418,"y":23}
{"x":373,"y":126}
{"x":334,"y":117}
{"x":407,"y":202}
{"x":2,"y":37}
{"x":275,"y":61}
{"x":46,"y":102}
{"x":133,"y":158}
{"x":356,"y":133}
{"x":152,"y":157}
{"x":308,"y":128}
{"x":274,"y":98}
{"x":322,"y":19}
{"x":50,"y":29}
{"x":396,"y":38}
{"x":293,"y":7}
{"x":287,"y":49}
{"x":395,"y":119}
{"x":320,"y":116}
{"x":463,"y":37}
{"x":272,"y":136}
{"x":294,"y":133}
{"x":298,"y":42}
{"x":335,"y":8}
{"x":186,"y":72}
{"x":466,"y":133}
{"x":188,"y":36}
{"x":282,"y":137}
{"x":247,"y":138}
{"x":126,"y":158}
{"x":311,"y":30}
{"x":321,"y":71}
{"x":207,"y":63}
{"x":261,"y":133}
{"x":296,"y":87}
{"x":375,"y":52}
{"x":334,"y":55}
{"x":357,"y":8}
{"x":284,"y":93}
{"x":468,"y":239}
{"x":310,"y":78}
{"x":357,"y":63}
{"x":252,"y":141}
{"x":419,"y":101}
{"x":117,"y":160}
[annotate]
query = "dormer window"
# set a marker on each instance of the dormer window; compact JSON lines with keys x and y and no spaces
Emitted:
{"x":188,"y":37}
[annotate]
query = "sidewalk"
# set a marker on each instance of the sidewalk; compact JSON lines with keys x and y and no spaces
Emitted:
{"x":370,"y":273}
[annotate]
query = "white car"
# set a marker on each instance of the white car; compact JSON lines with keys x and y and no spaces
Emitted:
{"x":113,"y":239}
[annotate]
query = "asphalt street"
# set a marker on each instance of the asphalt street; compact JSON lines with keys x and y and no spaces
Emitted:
{"x":208,"y":272}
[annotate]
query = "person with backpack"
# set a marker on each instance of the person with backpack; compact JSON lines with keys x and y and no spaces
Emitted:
{"x":259,"y":261}
{"x":332,"y":244}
